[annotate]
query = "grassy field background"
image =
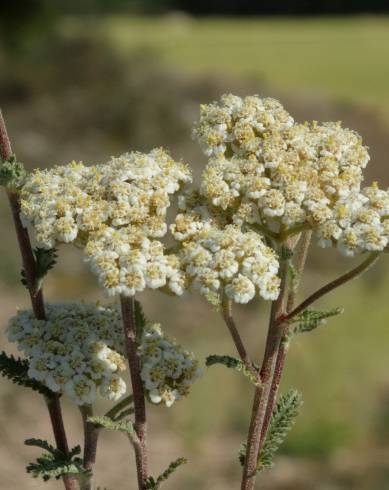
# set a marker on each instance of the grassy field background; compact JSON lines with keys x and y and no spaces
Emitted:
{"x":100,"y":87}
{"x":344,"y":58}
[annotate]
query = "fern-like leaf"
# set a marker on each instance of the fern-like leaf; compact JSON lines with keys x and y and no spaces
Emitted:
{"x":45,"y":260}
{"x":154,"y":484}
{"x":12,"y":173}
{"x":42,"y":444}
{"x":16,"y":370}
{"x":308,"y":320}
{"x":54,"y":463}
{"x":281,"y":423}
{"x":237,"y":364}
{"x":125,"y":426}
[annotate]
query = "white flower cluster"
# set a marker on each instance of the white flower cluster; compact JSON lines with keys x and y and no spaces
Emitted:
{"x":168,"y":371}
{"x":117,"y":211}
{"x":76,"y":351}
{"x":224,"y":259}
{"x":236,"y":125}
{"x":282,"y":175}
{"x":359,"y":223}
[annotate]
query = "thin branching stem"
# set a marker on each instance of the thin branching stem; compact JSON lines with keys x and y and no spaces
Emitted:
{"x":299,"y":265}
{"x":36,"y":296}
{"x":91,"y":436}
{"x":122,"y":405}
{"x":229,"y":320}
{"x":343,"y":279}
{"x":131,"y":347}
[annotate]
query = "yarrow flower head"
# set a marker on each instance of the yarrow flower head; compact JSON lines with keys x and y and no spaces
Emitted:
{"x":236,"y":125}
{"x":116,"y":211}
{"x":281,"y":175}
{"x":222,"y":260}
{"x":358,"y":223}
{"x":76,"y":351}
{"x":168,"y":370}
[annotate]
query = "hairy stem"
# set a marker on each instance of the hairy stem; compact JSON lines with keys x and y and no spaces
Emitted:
{"x":55,"y":412}
{"x":299,"y":264}
{"x":348,"y":276}
{"x":261,"y":395}
{"x":36,"y":296}
{"x":229,"y":320}
{"x":131,"y":347}
{"x":91,"y":435}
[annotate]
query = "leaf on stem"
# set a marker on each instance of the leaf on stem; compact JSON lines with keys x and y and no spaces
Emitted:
{"x":234,"y":363}
{"x":16,"y":370}
{"x":12,"y":173}
{"x":308,"y":320}
{"x":45,"y":260}
{"x":125,"y":426}
{"x":281,"y":423}
{"x":154,"y":484}
{"x":54,"y":463}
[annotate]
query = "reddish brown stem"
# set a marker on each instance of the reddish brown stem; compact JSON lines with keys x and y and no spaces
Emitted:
{"x":261,"y":395}
{"x":348,"y":276}
{"x":131,"y":346}
{"x":278,"y":370}
{"x":36,"y":296}
{"x":301,"y":257}
{"x":233,"y":329}
{"x":91,"y":436}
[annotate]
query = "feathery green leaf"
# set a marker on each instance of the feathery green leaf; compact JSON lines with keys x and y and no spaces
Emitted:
{"x":54,"y":463}
{"x":154,"y":484}
{"x":234,"y":363}
{"x":16,"y":370}
{"x":12,"y":173}
{"x":44,"y":261}
{"x":308,"y":320}
{"x":125,"y":426}
{"x":281,"y":423}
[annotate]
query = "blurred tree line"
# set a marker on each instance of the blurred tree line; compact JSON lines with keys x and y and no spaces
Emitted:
{"x":22,"y":21}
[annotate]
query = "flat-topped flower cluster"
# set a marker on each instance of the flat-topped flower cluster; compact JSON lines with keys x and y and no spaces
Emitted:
{"x":76,"y":351}
{"x":116,"y":211}
{"x":267,"y":177}
{"x":265,"y":169}
{"x":168,"y":371}
{"x":223,"y":259}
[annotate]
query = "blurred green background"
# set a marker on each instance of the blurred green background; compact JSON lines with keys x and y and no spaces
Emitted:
{"x":88,"y":82}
